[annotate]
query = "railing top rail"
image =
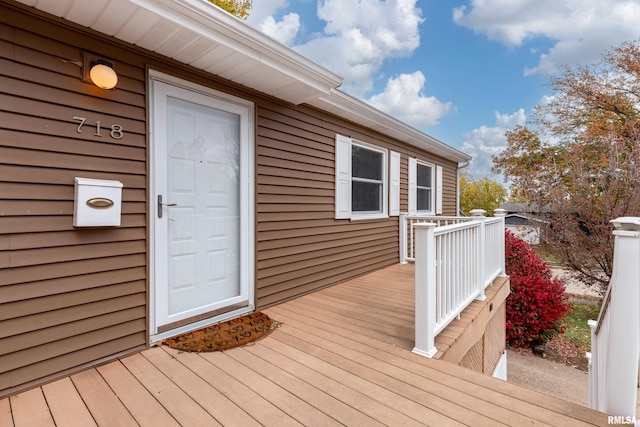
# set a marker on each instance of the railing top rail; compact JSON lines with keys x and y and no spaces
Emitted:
{"x":603,"y":309}
{"x":424,"y":224}
{"x":440,"y":217}
{"x":444,"y":229}
{"x":491,"y":220}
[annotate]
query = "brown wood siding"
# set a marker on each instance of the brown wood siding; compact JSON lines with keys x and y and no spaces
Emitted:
{"x":71,"y":298}
{"x":68,"y":297}
{"x":300,"y":246}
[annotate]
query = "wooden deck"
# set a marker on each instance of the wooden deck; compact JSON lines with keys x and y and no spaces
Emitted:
{"x":341,"y":357}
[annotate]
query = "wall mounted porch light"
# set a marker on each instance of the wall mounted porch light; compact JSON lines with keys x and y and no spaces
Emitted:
{"x":102,"y":74}
{"x":99,"y":71}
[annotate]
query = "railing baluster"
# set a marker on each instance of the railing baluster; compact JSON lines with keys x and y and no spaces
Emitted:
{"x":438,"y":284}
{"x":450,"y":272}
{"x":454,"y":270}
{"x":411,"y":236}
{"x":445,"y":279}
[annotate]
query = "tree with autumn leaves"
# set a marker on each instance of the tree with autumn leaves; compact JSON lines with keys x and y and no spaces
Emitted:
{"x":238,"y":8}
{"x":481,"y":193}
{"x":578,"y":164}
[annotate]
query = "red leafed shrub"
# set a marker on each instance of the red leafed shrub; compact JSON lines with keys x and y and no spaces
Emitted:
{"x":537,"y":301}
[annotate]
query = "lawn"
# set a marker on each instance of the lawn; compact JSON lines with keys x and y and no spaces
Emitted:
{"x":544,"y":252}
{"x":570,"y":347}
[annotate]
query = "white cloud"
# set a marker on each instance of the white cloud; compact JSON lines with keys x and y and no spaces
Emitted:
{"x":284,"y":31}
{"x":511,"y":120}
{"x":359,"y":36}
{"x":484,"y":142}
{"x":580,"y":29}
{"x":263,"y":9}
{"x":403,"y":99}
{"x":356,"y":40}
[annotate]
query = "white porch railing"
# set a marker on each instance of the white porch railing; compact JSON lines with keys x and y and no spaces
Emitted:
{"x":454,"y":265}
{"x":408,"y":234}
{"x":615,"y":336}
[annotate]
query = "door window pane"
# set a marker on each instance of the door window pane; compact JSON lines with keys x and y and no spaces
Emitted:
{"x":203,"y":180}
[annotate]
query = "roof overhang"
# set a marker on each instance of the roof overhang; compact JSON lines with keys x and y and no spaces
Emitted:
{"x":341,"y":104}
{"x":196,"y":33}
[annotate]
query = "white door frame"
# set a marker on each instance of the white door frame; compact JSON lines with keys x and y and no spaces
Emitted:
{"x":162,"y":82}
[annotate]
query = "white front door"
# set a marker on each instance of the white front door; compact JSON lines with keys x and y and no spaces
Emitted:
{"x":202,"y":205}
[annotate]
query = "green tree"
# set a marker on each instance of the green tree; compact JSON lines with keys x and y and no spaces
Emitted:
{"x":480,"y":194}
{"x":579,"y":161}
{"x":238,"y":8}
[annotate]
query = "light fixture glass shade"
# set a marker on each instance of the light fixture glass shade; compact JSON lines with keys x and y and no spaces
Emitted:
{"x":103,"y":75}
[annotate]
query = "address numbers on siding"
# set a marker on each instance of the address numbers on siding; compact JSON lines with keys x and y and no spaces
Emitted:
{"x":115,"y":131}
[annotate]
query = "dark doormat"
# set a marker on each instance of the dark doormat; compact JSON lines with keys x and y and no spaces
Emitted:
{"x":233,"y":333}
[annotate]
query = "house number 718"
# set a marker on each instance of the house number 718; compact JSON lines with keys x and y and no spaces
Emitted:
{"x":116,"y":131}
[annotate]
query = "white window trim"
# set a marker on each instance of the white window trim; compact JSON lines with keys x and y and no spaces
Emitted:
{"x":343,"y":209}
{"x":436,"y":188}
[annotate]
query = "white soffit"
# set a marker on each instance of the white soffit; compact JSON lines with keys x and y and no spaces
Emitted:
{"x":199,"y":34}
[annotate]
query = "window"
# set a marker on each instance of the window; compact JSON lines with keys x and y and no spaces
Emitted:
{"x":425,"y":188}
{"x":362,"y":181}
{"x":367,"y":182}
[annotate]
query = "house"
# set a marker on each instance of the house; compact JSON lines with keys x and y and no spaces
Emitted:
{"x":523,"y":221}
{"x":525,"y":227}
{"x":246,"y":179}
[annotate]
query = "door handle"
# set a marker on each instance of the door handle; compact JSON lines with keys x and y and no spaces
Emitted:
{"x":160,"y":205}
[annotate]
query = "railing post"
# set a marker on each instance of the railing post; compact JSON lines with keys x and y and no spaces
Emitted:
{"x":425,"y":292}
{"x":478,"y":214}
{"x":403,"y":237}
{"x":502,"y":214}
{"x":623,"y":348}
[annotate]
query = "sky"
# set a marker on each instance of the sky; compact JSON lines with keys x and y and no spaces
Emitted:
{"x":463,"y":72}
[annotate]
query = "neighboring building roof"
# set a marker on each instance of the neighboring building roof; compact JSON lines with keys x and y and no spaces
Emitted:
{"x":199,"y":34}
{"x":511,"y":207}
{"x":514,"y":207}
{"x":515,"y":219}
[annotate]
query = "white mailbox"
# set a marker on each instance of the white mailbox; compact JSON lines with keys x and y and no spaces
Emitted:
{"x":98,"y":203}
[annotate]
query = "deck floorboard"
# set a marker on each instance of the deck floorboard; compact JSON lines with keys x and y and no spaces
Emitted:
{"x":341,"y":356}
{"x":30,"y":409}
{"x":5,"y":413}
{"x":101,"y":401}
{"x":66,"y":405}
